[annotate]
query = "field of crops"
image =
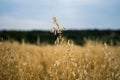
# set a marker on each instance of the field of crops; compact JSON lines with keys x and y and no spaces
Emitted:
{"x":94,"y":61}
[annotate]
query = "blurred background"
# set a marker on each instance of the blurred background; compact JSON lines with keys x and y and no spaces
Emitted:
{"x":83,"y":19}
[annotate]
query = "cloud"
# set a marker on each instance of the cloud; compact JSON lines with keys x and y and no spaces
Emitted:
{"x":37,"y":14}
{"x":80,"y":2}
{"x":22,"y":24}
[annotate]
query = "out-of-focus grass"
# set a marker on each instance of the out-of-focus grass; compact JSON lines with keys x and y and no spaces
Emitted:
{"x":94,"y":61}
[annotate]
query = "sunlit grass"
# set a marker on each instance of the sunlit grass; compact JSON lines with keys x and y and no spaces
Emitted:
{"x":94,"y":61}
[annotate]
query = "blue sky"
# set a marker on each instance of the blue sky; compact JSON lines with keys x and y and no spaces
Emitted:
{"x":71,"y":14}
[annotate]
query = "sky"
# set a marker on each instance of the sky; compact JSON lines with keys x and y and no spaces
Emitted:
{"x":71,"y":14}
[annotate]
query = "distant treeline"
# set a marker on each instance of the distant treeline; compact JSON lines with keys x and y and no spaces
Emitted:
{"x":78,"y":36}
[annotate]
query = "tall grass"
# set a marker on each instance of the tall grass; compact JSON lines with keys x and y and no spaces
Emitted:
{"x":62,"y":61}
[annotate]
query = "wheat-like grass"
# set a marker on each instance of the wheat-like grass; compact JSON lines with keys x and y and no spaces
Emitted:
{"x":30,"y":62}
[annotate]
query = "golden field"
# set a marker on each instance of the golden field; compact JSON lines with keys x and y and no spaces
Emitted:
{"x":94,"y":61}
